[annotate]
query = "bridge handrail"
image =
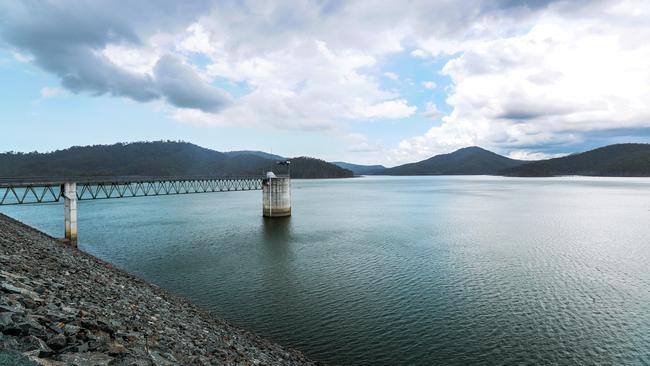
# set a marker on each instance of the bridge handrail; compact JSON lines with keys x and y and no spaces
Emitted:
{"x":42,"y":181}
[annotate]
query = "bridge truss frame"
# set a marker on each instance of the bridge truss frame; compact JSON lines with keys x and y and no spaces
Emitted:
{"x":26,"y":191}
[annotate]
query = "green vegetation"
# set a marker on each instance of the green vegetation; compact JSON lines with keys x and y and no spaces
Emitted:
{"x":261,"y":154}
{"x":304,"y":167}
{"x":621,"y":160}
{"x":466,"y":161}
{"x":160,"y":158}
{"x":358,"y":169}
{"x":168,"y":158}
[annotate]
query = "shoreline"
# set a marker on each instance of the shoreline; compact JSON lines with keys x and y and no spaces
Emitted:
{"x":61,"y":306}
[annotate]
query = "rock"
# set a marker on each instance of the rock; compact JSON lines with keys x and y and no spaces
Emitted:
{"x":40,"y":348}
{"x":14,"y":359}
{"x":8,"y":342}
{"x":83,"y":347}
{"x":58,"y":316}
{"x":7,"y":287}
{"x":57,"y":342}
{"x":12,"y":330}
{"x":83,"y":313}
{"x":104,"y":325}
{"x":96,"y":314}
{"x":159,"y":359}
{"x":117,"y":349}
{"x":89,"y":324}
{"x":75,"y":347}
{"x":11,"y":309}
{"x":115,"y":323}
{"x":56,"y":327}
{"x":5,"y":320}
{"x":98,"y":346}
{"x":129,"y":336}
{"x":99,"y":336}
{"x":86,"y":359}
{"x":31,"y":327}
{"x":133,"y":361}
{"x":70,"y":310}
{"x":70,"y":329}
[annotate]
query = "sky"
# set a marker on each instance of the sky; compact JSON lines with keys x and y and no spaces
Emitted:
{"x":373,"y":82}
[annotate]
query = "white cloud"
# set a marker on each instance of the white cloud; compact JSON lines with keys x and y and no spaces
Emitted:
{"x":307,"y":64}
{"x":198,"y":40}
{"x":392,"y":109}
{"x":523,"y":74}
{"x":21,"y":57}
{"x":309,"y":85}
{"x":49,"y":92}
{"x":419,"y":53}
{"x":391,"y":75}
{"x":365,"y":147}
{"x":364,"y":150}
{"x":568,"y":75}
{"x":139,"y":60}
{"x":532,"y":155}
{"x":429,"y":85}
{"x":432,"y":111}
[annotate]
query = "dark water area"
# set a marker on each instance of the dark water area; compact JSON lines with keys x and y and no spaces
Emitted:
{"x":402,"y":270}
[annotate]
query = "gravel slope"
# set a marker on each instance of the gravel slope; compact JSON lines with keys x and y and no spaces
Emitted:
{"x":60,"y":306}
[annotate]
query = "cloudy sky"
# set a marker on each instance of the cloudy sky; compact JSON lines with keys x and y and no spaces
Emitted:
{"x":362,"y":81}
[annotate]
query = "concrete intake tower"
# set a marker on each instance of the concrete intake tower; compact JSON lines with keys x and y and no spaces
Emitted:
{"x":276,"y":196}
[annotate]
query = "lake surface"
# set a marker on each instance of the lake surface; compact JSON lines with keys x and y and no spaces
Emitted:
{"x":402,"y":270}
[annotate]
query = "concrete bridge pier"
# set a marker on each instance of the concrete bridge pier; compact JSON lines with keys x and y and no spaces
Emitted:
{"x":70,"y":207}
{"x":276,"y":196}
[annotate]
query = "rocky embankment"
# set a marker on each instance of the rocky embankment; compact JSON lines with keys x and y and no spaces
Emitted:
{"x":60,"y":306}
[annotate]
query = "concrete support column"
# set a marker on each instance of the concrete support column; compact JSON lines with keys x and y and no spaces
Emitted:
{"x":70,"y":207}
{"x":276,"y":197}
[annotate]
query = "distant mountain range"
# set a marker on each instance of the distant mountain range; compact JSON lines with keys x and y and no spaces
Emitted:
{"x":466,"y":161}
{"x":626,"y":160}
{"x":621,"y":160}
{"x":358,"y":169}
{"x":165,"y":158}
{"x":260,"y":154}
{"x":161,"y":158}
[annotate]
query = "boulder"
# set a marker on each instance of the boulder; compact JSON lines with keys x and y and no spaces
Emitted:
{"x":57,"y":342}
{"x":86,"y":359}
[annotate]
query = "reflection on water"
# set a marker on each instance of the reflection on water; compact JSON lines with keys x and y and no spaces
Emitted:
{"x":403,"y":270}
{"x":277,"y":232}
{"x":276,"y":243}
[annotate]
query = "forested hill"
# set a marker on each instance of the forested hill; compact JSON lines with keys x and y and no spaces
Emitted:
{"x":359,"y":169}
{"x":261,"y":154}
{"x":160,"y":158}
{"x":466,"y":161}
{"x":624,"y":160}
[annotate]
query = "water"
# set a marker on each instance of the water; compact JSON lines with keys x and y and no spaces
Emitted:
{"x":412,"y":270}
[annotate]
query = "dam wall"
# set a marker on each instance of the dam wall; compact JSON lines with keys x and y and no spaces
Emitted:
{"x":61,"y":306}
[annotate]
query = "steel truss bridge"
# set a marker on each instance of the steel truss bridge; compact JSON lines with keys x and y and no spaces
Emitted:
{"x":15,"y":191}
